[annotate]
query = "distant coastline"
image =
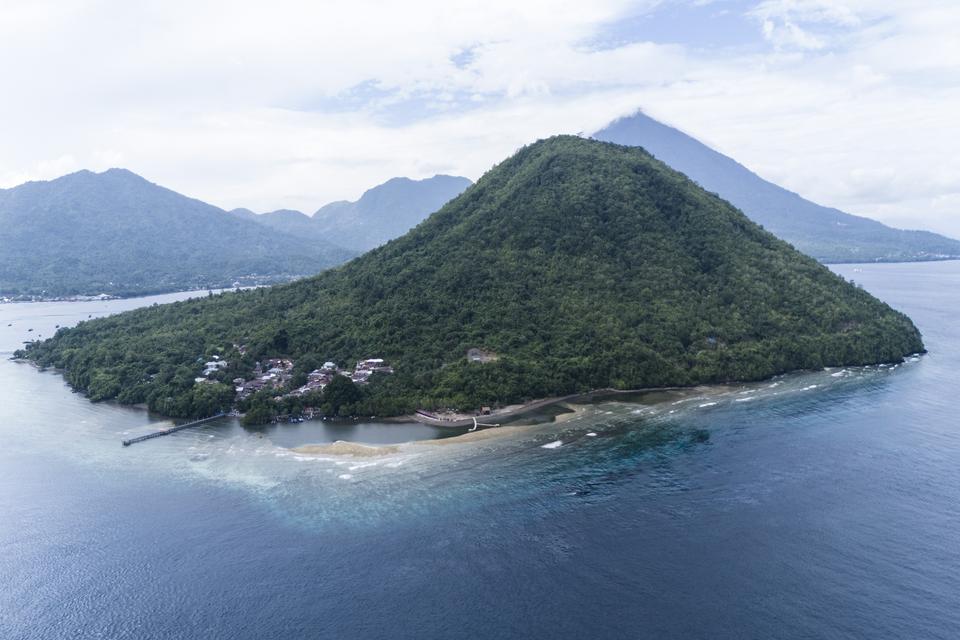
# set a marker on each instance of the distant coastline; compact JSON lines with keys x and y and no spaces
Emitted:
{"x":915,"y":259}
{"x":9,"y":298}
{"x":69,"y":298}
{"x":21,"y":298}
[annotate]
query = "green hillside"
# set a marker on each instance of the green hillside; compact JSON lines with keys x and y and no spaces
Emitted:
{"x":382,"y":213}
{"x":116,"y":233}
{"x":581,"y":264}
{"x":386,"y":211}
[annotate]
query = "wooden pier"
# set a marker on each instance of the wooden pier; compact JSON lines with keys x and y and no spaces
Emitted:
{"x":166,"y":432}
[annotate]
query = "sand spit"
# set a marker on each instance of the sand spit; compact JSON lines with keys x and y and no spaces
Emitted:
{"x":575,"y":411}
{"x":473,"y":436}
{"x":502,"y":432}
{"x":343,"y":448}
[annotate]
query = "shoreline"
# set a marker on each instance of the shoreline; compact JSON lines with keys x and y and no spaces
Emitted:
{"x":362,"y":450}
{"x":577,"y":405}
{"x":516,"y":411}
{"x":106,"y":297}
{"x":533,"y":405}
{"x":113,"y":297}
{"x":576,"y":411}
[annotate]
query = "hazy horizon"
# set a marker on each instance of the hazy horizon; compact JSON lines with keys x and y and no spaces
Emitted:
{"x":294,"y":107}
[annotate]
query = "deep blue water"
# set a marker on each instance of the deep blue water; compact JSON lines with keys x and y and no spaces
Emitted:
{"x":821,"y":505}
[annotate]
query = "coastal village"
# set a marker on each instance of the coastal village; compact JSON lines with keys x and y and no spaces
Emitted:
{"x":276,"y":374}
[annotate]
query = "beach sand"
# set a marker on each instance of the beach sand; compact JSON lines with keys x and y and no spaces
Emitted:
{"x":502,"y":432}
{"x":343,"y":448}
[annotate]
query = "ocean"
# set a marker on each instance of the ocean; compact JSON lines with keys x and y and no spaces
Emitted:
{"x":815,"y":505}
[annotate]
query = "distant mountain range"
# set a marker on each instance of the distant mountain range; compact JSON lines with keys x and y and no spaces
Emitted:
{"x":116,"y":233}
{"x":830,"y":235}
{"x":382,"y":213}
{"x":580,"y":264}
{"x":286,"y":221}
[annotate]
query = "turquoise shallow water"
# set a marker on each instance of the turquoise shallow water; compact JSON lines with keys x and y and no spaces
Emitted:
{"x":822,"y":504}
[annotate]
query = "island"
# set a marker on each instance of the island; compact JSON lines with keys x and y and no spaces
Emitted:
{"x":573,"y":265}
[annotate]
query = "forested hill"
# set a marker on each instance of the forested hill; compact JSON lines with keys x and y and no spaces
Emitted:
{"x":116,"y":233}
{"x":830,"y":235}
{"x":386,"y":211}
{"x":287,"y":221}
{"x":382,"y":213}
{"x":580,"y":264}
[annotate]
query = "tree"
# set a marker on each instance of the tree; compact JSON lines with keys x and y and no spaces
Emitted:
{"x":261,"y":409}
{"x":341,"y":392}
{"x":210,"y":398}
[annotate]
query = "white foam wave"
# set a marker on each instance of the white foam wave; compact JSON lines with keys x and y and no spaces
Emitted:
{"x":362,"y":465}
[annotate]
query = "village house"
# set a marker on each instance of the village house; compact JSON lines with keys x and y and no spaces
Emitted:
{"x":361,"y":376}
{"x":373,"y":365}
{"x":279,"y":373}
{"x":209,"y":368}
{"x":480,"y":356}
{"x":366,"y":368}
{"x":317,"y":380}
{"x":279,"y":366}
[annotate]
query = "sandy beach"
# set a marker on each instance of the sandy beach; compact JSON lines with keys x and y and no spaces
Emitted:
{"x":343,"y":448}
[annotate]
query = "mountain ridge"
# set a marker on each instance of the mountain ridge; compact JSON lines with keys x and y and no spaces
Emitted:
{"x":116,"y":232}
{"x":381,"y":213}
{"x":387,"y":210}
{"x":826,"y":233}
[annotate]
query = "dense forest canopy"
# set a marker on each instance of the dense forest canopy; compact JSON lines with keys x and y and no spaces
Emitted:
{"x":580,"y":264}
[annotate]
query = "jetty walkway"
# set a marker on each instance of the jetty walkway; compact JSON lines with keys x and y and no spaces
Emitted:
{"x":166,"y":432}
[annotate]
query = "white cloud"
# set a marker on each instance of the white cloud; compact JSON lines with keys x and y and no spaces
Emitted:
{"x":836,"y":12}
{"x":789,"y":35}
{"x":293,"y":104}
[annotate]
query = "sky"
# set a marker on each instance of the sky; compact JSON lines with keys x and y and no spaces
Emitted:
{"x":283,"y":104}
